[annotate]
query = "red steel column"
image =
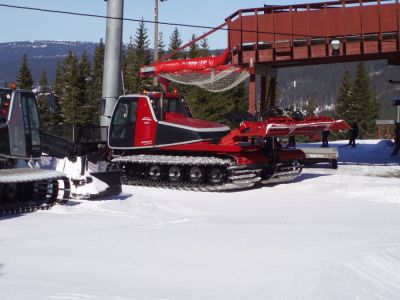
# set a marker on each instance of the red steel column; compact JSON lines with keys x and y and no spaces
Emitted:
{"x":272,"y":87}
{"x":263,"y":94}
{"x":252,"y":94}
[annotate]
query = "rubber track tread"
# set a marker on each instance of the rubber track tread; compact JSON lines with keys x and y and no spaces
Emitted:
{"x":45,"y":190}
{"x":238,"y":179}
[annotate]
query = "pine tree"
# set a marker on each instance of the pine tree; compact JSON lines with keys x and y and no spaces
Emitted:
{"x":70,"y":92}
{"x":84,"y":83}
{"x":58,"y":89}
{"x":129,"y":69}
{"x":58,"y":85}
{"x":365,"y":103}
{"x":175,"y":42}
{"x":142,"y":56}
{"x":357,"y":102}
{"x":193,"y":48}
{"x":344,"y":107}
{"x":24,"y":76}
{"x":311,"y":107}
{"x":204,"y":48}
{"x":213,"y":106}
{"x":141,"y":45}
{"x":95,"y":88}
{"x":44,"y":89}
{"x":137,"y":55}
{"x":161,"y":45}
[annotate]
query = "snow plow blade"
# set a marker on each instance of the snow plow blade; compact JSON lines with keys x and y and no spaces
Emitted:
{"x":308,"y":126}
{"x":111,"y":181}
{"x":285,"y":126}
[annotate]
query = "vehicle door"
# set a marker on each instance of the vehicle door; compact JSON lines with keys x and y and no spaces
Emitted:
{"x":146,"y":124}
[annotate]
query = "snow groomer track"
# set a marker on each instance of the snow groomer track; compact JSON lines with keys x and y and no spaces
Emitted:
{"x":25,"y":190}
{"x":197,"y":173}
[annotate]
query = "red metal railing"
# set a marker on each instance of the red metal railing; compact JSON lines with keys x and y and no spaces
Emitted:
{"x":278,"y":34}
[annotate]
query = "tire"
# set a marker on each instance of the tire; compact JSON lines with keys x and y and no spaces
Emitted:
{"x":154,"y":172}
{"x":216,"y":175}
{"x":175,"y":173}
{"x":196,"y":174}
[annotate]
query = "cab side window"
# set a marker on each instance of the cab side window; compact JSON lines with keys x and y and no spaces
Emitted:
{"x":31,"y":118}
{"x":123,"y":123}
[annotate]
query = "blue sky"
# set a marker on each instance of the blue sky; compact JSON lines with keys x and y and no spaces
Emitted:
{"x":21,"y":25}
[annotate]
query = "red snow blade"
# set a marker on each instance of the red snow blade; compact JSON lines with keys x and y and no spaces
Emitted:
{"x":308,"y":126}
{"x":285,"y":126}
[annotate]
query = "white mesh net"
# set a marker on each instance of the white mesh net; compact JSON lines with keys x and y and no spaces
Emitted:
{"x":214,"y":80}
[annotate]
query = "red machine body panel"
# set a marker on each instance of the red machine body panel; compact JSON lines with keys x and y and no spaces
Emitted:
{"x":195,"y":124}
{"x":146,"y":124}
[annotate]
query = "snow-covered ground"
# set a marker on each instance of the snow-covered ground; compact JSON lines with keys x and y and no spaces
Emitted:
{"x":331,"y":234}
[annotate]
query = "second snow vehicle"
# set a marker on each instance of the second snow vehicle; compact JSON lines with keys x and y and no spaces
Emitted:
{"x":157,"y":142}
{"x":24,"y":186}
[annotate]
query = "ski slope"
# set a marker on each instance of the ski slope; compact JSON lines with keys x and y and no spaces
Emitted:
{"x":331,"y":234}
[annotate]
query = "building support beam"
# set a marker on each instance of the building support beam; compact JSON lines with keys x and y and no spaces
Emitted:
{"x":252,"y":95}
{"x":262,"y":89}
{"x":263,"y":94}
{"x":271,"y":99}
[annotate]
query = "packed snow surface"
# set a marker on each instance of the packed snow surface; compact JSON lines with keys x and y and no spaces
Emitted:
{"x":331,"y":234}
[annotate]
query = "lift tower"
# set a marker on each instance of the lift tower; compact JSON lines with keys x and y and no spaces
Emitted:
{"x":112,"y":59}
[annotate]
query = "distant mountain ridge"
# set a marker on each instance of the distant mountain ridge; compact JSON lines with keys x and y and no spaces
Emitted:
{"x":296,"y":85}
{"x":42,"y":55}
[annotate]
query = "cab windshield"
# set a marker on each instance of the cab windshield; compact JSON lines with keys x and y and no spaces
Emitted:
{"x":170,"y":105}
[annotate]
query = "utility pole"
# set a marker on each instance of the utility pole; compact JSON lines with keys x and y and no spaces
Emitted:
{"x":155,"y":51}
{"x":112,"y":60}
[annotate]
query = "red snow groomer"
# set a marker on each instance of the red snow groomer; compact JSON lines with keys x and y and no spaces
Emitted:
{"x":160,"y":143}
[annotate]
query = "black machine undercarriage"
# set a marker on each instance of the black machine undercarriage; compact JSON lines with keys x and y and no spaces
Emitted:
{"x":200,"y":173}
{"x":28,"y":189}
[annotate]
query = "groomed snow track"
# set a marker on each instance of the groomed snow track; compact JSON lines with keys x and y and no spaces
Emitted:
{"x":198,"y":173}
{"x":29,"y":189}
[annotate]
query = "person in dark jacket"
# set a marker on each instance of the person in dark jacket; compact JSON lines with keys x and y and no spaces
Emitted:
{"x":325,"y":133}
{"x":292,"y":142}
{"x":353,"y":134}
{"x":396,"y":139}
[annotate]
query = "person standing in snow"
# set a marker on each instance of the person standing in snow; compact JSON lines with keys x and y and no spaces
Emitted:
{"x":292,"y":142}
{"x":396,"y":139}
{"x":353,"y":134}
{"x":325,"y":133}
